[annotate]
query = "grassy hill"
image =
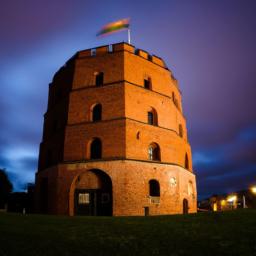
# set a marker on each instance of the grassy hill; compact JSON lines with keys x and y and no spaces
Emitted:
{"x":227,"y":233}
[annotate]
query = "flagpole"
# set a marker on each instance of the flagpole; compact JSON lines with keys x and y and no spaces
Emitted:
{"x":129,"y":36}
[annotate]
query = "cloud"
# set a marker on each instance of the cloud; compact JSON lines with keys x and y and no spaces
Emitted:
{"x":20,"y":164}
{"x":24,"y":81}
{"x":25,"y":23}
{"x":227,"y":167}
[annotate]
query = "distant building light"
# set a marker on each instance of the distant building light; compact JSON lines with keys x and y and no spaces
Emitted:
{"x":232,"y":199}
{"x":223,"y":202}
{"x":215,"y":208}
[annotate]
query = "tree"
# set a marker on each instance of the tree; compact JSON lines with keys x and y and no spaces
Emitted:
{"x":5,"y":188}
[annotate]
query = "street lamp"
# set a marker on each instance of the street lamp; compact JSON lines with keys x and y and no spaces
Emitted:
{"x":253,"y":189}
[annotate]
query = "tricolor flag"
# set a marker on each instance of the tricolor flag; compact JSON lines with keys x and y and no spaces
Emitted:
{"x":114,"y":27}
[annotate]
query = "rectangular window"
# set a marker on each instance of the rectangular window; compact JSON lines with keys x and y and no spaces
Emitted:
{"x":83,"y":198}
{"x":155,"y":200}
{"x":147,"y":84}
{"x":99,"y":79}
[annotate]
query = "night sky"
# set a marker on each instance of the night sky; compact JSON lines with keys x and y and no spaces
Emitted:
{"x":210,"y":46}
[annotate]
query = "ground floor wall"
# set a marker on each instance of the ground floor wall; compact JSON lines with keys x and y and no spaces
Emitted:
{"x":130,"y":179}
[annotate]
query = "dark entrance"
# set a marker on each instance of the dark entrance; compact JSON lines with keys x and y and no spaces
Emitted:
{"x":185,"y":206}
{"x":93,"y":202}
{"x":95,"y":199}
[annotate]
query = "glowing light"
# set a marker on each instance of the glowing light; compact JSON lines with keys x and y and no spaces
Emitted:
{"x":223,"y":202}
{"x":232,"y":199}
{"x":253,"y":189}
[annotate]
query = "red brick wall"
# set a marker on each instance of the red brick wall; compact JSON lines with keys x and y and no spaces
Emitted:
{"x":111,"y":64}
{"x":130,"y":181}
{"x":111,"y":98}
{"x":78,"y":137}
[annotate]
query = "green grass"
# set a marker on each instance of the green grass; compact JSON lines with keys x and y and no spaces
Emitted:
{"x":227,"y":233}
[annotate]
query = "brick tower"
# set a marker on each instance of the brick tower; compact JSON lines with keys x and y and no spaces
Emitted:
{"x":114,"y":138}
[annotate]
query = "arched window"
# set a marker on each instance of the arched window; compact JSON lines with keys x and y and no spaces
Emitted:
{"x":96,"y":112}
{"x":152,"y":117}
{"x":186,"y":161}
{"x":154,"y":188}
{"x":180,"y":130}
{"x":154,"y":152}
{"x":96,"y":149}
{"x":99,"y":78}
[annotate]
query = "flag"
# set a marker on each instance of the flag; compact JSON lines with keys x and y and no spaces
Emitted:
{"x":114,"y":27}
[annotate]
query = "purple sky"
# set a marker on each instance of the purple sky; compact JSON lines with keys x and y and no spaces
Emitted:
{"x":209,"y":45}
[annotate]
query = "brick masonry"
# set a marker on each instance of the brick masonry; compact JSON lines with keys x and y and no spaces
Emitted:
{"x":130,"y":186}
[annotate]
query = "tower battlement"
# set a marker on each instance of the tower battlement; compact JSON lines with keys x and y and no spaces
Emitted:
{"x":118,"y":47}
{"x":108,"y":50}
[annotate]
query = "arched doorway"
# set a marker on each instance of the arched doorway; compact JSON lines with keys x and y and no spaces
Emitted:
{"x":93,"y":194}
{"x":185,"y":206}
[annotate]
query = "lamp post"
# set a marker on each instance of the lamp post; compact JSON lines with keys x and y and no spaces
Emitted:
{"x":244,"y":204}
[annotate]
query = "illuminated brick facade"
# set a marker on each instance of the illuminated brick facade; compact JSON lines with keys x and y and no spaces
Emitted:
{"x":115,"y":138}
